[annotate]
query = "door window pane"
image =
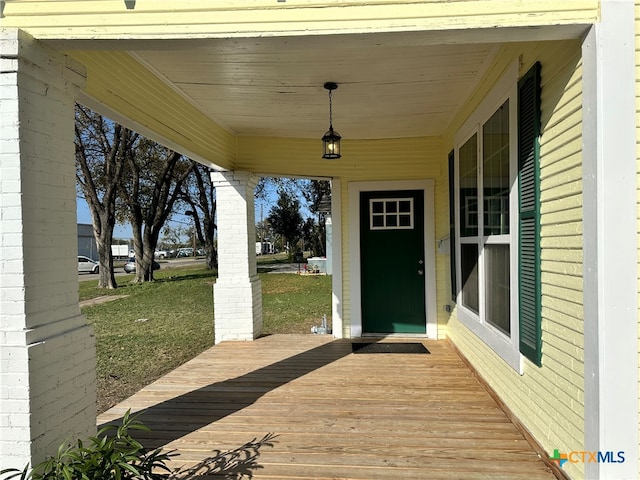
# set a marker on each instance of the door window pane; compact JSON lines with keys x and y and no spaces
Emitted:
{"x":391,"y":206}
{"x":495,"y":172}
{"x":468,"y":167}
{"x":497,"y":287}
{"x":469,"y":264}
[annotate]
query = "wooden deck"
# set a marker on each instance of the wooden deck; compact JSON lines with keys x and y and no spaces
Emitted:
{"x":305,"y":406}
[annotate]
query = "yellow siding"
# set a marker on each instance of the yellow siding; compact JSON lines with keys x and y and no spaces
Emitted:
{"x":153,"y":104}
{"x":363,"y":160}
{"x":550,"y":399}
{"x":637,"y":10}
{"x":102,"y":19}
{"x":392,"y":159}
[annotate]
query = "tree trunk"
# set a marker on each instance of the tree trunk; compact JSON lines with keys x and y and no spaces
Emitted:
{"x":145,"y":257}
{"x":154,"y":179}
{"x":103,"y":236}
{"x":202,"y":200}
{"x":212,"y":257}
{"x":99,"y":164}
{"x":144,"y":247}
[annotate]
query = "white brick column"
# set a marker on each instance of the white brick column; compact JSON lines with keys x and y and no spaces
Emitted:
{"x":47,"y":353}
{"x":238,"y":292}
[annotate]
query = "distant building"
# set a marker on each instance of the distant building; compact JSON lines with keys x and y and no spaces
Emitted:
{"x":86,"y":241}
{"x":87,"y":244}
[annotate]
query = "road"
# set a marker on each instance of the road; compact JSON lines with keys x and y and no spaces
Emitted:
{"x":164,"y":264}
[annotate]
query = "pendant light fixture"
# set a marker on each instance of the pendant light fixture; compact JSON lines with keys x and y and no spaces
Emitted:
{"x":331,"y":139}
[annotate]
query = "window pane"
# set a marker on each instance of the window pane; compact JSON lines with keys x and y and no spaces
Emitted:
{"x":469,"y":188}
{"x":392,"y":206}
{"x":377,"y":207}
{"x":497,"y":286}
{"x":495,"y":172}
{"x":469,"y":265}
{"x":392,"y":221}
{"x":405,"y":206}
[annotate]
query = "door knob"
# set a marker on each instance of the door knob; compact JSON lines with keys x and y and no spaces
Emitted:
{"x":420,"y":272}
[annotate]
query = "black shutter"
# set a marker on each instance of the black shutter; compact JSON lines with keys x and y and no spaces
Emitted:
{"x":529,"y":215}
{"x":452,"y":227}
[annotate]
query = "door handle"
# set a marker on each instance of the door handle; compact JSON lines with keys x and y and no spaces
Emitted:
{"x":421,"y":272}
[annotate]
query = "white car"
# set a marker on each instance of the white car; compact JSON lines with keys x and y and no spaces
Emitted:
{"x":130,"y":266}
{"x":86,"y":265}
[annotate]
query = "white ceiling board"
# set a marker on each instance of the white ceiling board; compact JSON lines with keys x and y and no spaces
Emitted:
{"x":389,"y":85}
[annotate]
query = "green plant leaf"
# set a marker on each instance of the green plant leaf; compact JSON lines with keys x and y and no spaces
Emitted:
{"x":14,"y":472}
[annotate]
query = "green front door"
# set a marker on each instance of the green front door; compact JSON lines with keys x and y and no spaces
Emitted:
{"x":392,"y":261}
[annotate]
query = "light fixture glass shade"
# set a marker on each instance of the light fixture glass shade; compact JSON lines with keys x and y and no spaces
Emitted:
{"x":331,"y":144}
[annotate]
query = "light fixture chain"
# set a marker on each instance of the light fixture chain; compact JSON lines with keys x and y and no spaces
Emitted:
{"x":330,"y":110}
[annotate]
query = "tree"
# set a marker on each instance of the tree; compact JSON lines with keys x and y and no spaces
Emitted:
{"x":315,"y":197}
{"x":172,"y":237}
{"x":268,"y":184}
{"x":150,"y":187}
{"x":264,"y":232}
{"x":317,"y":194}
{"x":313,"y":235}
{"x":286,"y":220}
{"x":100,"y":147}
{"x":200,"y":195}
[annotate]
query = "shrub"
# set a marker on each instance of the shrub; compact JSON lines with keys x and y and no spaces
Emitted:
{"x":112,"y":454}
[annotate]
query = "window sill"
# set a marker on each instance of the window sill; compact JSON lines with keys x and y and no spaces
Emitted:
{"x":506,"y":348}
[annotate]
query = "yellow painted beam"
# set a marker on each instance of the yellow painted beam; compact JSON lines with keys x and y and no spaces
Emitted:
{"x":110,"y":19}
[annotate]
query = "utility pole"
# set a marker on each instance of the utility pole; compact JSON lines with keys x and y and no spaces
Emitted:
{"x":192,"y":214}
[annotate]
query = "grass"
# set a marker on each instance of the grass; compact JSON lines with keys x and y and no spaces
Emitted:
{"x":157,"y":326}
{"x":294,"y":303}
{"x":281,"y":257}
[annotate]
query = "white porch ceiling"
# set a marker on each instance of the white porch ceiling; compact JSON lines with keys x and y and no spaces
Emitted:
{"x":390,"y":85}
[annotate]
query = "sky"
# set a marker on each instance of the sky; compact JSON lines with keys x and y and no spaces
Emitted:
{"x":84,"y":216}
{"x":124,"y":232}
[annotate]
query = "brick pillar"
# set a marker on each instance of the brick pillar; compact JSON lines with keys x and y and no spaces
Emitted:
{"x":238,"y":291}
{"x":47,"y":352}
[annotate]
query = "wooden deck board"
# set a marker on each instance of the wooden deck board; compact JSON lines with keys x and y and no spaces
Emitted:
{"x":332,"y":414}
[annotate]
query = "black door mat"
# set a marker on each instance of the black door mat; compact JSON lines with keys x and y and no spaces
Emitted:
{"x":388,"y":347}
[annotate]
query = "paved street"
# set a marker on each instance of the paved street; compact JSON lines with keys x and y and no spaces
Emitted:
{"x":164,"y":264}
{"x":181,"y":262}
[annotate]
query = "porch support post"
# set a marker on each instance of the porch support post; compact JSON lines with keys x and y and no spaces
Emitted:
{"x":610,"y":242}
{"x":238,"y":290}
{"x":47,"y":351}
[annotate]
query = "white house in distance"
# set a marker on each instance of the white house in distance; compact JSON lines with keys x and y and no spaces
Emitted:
{"x":505,"y":130}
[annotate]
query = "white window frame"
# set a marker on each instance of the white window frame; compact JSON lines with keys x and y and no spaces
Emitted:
{"x":506,"y":346}
{"x":397,"y":214}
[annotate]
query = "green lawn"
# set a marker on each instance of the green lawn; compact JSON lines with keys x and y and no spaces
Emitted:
{"x":157,"y":326}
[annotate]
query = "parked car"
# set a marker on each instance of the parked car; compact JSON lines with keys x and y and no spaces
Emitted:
{"x":87,"y":265}
{"x":161,"y":254}
{"x":185,"y":252}
{"x":130,"y":266}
